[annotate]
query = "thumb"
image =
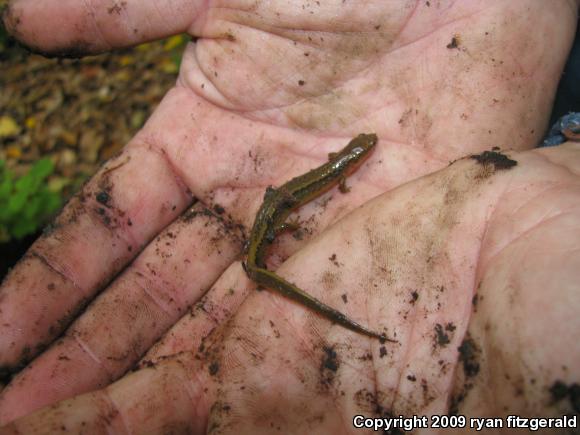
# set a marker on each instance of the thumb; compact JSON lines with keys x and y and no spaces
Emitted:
{"x":73,"y":28}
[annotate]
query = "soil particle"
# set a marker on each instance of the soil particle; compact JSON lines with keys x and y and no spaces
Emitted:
{"x":228,"y":228}
{"x":334,"y":261}
{"x":495,"y":159}
{"x":299,"y":234}
{"x":218,"y":209}
{"x":366,"y":357}
{"x":382,"y":351}
{"x":370,"y":403}
{"x":475,"y":301}
{"x":560,"y":391}
{"x":441,"y":338}
{"x":328,"y":367}
{"x":329,"y":280}
{"x":427,"y":396}
{"x":456,"y":400}
{"x":103,"y":197}
{"x":218,"y":418}
{"x":213,"y":368}
{"x":330,"y":360}
{"x":455,"y":41}
{"x":117,"y":8}
{"x":468,"y":355}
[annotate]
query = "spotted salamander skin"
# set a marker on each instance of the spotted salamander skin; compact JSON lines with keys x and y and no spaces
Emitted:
{"x":280,"y":202}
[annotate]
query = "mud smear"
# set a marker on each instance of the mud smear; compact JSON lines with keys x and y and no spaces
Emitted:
{"x":219,"y":417}
{"x":370,"y":403}
{"x":469,"y":354}
{"x":560,"y":391}
{"x":443,"y":335}
{"x":227,"y":228}
{"x":328,"y":367}
{"x":495,"y":159}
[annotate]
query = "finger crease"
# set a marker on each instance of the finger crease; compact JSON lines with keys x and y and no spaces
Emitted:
{"x":58,"y":270}
{"x":114,"y":411}
{"x":154,"y":295}
{"x":87,"y":350}
{"x":179,"y":179}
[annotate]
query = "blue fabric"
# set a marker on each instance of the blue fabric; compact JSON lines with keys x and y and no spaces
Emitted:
{"x":567,"y":103}
{"x":566,"y":128}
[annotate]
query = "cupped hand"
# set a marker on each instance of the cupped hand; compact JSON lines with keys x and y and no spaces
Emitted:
{"x":472,"y":269}
{"x":264,"y":94}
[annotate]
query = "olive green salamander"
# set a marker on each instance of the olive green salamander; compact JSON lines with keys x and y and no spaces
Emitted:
{"x":279,"y":203}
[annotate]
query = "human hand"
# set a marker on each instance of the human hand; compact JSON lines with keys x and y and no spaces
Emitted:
{"x":257,"y":103}
{"x":471,"y":268}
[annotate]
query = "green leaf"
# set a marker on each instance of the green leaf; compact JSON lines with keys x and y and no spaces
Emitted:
{"x":16,"y":202}
{"x":42,"y":169}
{"x":22,"y":228}
{"x":6,"y":187}
{"x":26,"y":203}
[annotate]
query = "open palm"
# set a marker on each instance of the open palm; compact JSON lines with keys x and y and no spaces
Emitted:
{"x":266,"y":92}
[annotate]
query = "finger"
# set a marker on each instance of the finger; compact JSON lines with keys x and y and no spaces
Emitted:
{"x":160,"y":400}
{"x":171,"y":273}
{"x":215,"y":308}
{"x":74,"y":28}
{"x":130,"y":200}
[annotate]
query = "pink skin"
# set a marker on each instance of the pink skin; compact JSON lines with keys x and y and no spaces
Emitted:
{"x":266,"y":92}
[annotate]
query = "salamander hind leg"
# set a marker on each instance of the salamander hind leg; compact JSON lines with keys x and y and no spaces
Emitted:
{"x":271,"y":280}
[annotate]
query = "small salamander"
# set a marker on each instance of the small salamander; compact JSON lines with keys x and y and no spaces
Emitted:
{"x":279,"y":203}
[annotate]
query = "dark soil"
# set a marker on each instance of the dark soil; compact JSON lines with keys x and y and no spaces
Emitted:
{"x":11,"y":252}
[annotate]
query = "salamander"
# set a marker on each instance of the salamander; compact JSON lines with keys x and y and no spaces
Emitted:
{"x":280,"y":202}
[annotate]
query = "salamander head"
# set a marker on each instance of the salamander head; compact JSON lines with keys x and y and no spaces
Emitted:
{"x":352,"y":155}
{"x":360,"y":145}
